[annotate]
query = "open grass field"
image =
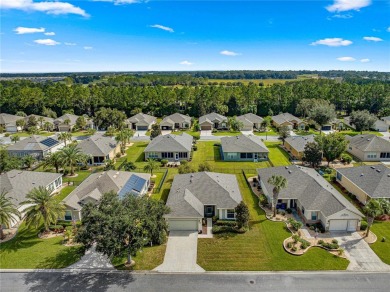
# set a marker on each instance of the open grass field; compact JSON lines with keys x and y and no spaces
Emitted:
{"x":260,"y":248}
{"x":27,"y":251}
{"x":277,"y":155}
{"x":382,"y":249}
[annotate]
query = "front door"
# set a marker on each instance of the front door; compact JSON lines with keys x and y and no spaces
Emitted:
{"x":209,"y":211}
{"x":176,"y":156}
{"x":256,"y":156}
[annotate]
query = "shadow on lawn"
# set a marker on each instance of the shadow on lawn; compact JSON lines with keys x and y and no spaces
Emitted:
{"x":25,"y":238}
{"x":62,"y":259}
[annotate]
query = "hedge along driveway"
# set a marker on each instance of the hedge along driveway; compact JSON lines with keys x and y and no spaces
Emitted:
{"x":260,"y":248}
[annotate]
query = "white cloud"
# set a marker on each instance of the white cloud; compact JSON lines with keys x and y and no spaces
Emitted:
{"x":50,"y":33}
{"x":365,"y":60}
{"x":343,"y":16}
{"x":186,"y":63}
{"x":372,"y":39}
{"x":346,"y":5}
{"x":121,"y":2}
{"x":70,"y":44}
{"x":48,"y":7}
{"x":346,"y":59}
{"x":24,"y":30}
{"x":229,"y":53}
{"x":166,"y":28}
{"x":388,"y":29}
{"x":88,"y":48}
{"x":46,"y":42}
{"x":332,"y":42}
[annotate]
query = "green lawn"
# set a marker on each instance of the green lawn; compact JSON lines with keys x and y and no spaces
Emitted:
{"x":27,"y":251}
{"x":260,"y":248}
{"x":194,"y":134}
{"x":26,"y":134}
{"x":270,"y":132}
{"x":81,"y":176}
{"x":164,"y":192}
{"x":354,"y":133}
{"x":278,"y":156}
{"x":135,"y":153}
{"x":80,"y":133}
{"x":226,"y":133}
{"x":64,"y":192}
{"x":305,"y":133}
{"x":382,"y":249}
{"x":147,"y":259}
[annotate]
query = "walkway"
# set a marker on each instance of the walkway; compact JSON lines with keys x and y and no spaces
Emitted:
{"x":181,"y":253}
{"x":359,"y":253}
{"x":93,"y":260}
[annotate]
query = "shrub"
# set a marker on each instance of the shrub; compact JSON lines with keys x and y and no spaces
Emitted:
{"x":383,"y":239}
{"x":283,"y":213}
{"x":289,"y":245}
{"x":129,"y":166}
{"x":295,"y":224}
{"x":222,"y":229}
{"x":295,"y":237}
{"x":214,"y":131}
{"x":215,"y":219}
{"x":335,"y":241}
{"x":56,"y":227}
{"x":363,"y":225}
{"x":304,"y":245}
{"x":7,"y":134}
{"x":288,"y":210}
{"x":340,"y":251}
{"x":312,"y":227}
{"x":195,"y":147}
{"x":225,"y":223}
{"x":294,"y":248}
{"x":320,"y":242}
{"x":164,"y":162}
{"x":346,"y":158}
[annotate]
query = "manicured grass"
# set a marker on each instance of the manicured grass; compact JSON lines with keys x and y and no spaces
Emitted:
{"x":382,"y":249}
{"x":26,"y":134}
{"x":278,"y":156}
{"x":354,"y":133}
{"x":268,"y":133}
{"x":305,"y":133}
{"x":81,"y":176}
{"x":80,"y":133}
{"x":226,"y":133}
{"x":260,"y":248}
{"x":194,"y":134}
{"x":27,"y":251}
{"x":64,"y":192}
{"x":164,"y":192}
{"x":135,"y":153}
{"x":147,"y":259}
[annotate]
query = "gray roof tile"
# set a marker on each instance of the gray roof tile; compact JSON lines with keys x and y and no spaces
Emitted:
{"x":299,"y":142}
{"x":211,"y":117}
{"x":97,"y":145}
{"x":170,"y":142}
{"x":369,"y":142}
{"x":243,"y":143}
{"x":285,"y":117}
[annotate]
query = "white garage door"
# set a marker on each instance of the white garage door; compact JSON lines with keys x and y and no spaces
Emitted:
{"x":185,"y":224}
{"x":338,"y":225}
{"x":352,"y":225}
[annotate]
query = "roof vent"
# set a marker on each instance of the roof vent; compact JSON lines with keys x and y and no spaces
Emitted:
{"x":373,"y":167}
{"x":378,"y":170}
{"x":362,"y":174}
{"x":289,"y":171}
{"x":190,"y":180}
{"x":368,"y":139}
{"x":286,"y":167}
{"x":117,"y":172}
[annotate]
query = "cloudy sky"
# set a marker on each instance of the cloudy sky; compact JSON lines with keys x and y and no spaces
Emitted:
{"x":129,"y":35}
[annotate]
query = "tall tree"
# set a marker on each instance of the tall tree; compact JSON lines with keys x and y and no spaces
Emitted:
{"x":8,"y":162}
{"x":151,"y":165}
{"x":332,"y":145}
{"x":42,"y":207}
{"x":235,"y":124}
{"x":70,"y":156}
{"x":242,"y":215}
{"x":53,"y":160}
{"x":372,"y":210}
{"x":81,"y":123}
{"x":279,"y":182}
{"x":284,"y":133}
{"x":312,"y":154}
{"x":65,"y":137}
{"x":156,"y":131}
{"x":362,"y":120}
{"x":322,"y":114}
{"x":21,"y":124}
{"x":29,"y":161}
{"x":8,"y":212}
{"x":15,"y":138}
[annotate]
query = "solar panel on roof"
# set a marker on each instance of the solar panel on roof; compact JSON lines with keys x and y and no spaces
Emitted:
{"x":134,"y":183}
{"x":49,"y":142}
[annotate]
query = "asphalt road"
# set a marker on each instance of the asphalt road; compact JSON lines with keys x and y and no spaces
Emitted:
{"x":239,"y":282}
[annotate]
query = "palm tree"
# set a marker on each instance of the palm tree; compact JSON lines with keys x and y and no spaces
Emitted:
{"x":29,"y":161}
{"x":279,"y":182}
{"x":372,"y":210}
{"x":70,"y":156}
{"x":85,"y":158}
{"x":65,"y":136}
{"x":42,"y":207}
{"x":8,"y":212}
{"x":67,"y":122}
{"x":123,"y":137}
{"x":385,"y":205}
{"x":53,"y":160}
{"x":41,"y":120}
{"x":151,"y":165}
{"x":47,"y":126}
{"x":21,"y":123}
{"x":15,"y":138}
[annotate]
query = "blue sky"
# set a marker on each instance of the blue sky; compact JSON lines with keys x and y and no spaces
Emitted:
{"x":131,"y":35}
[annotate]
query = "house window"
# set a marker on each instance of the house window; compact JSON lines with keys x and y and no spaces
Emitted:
{"x":153,"y":155}
{"x":68,"y":215}
{"x":183,"y":154}
{"x":230,"y":214}
{"x":371,"y":155}
{"x":167,"y":154}
{"x":313,"y":215}
{"x":385,"y":154}
{"x":231,"y":155}
{"x":339,"y":176}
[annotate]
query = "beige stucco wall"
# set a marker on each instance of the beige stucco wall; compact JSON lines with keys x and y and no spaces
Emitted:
{"x":354,"y":189}
{"x":293,"y":151}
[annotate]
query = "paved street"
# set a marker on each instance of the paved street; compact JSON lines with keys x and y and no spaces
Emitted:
{"x":125,"y":281}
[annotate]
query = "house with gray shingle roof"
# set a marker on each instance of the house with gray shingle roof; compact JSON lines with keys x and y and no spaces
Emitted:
{"x":312,"y":197}
{"x":289,"y":120}
{"x":365,"y":182}
{"x":66,"y":122}
{"x":100,"y":148}
{"x":194,"y":196}
{"x":369,"y":147}
{"x":250,"y":121}
{"x":9,"y":122}
{"x":171,"y":147}
{"x":18,"y":183}
{"x":213,"y":121}
{"x":97,"y":184}
{"x":141,"y":122}
{"x":243,"y":148}
{"x":176,"y":121}
{"x":386,"y":120}
{"x":36,"y":146}
{"x":41,"y":121}
{"x":380,"y":126}
{"x":295,"y":145}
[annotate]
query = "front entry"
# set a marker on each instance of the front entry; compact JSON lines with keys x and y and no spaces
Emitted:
{"x":293,"y":204}
{"x":209,"y":211}
{"x":176,"y":156}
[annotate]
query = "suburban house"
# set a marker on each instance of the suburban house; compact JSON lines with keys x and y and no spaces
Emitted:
{"x":250,"y":122}
{"x":335,"y":124}
{"x":243,"y":148}
{"x":18,"y":183}
{"x":176,"y":121}
{"x":287,"y":119}
{"x":380,"y":126}
{"x":66,"y":122}
{"x":141,"y":122}
{"x":195,"y":196}
{"x":312,"y":197}
{"x":9,"y":122}
{"x":213,"y":121}
{"x":347,"y":121}
{"x":366,"y":182}
{"x":97,"y":184}
{"x":386,"y":120}
{"x":100,"y":148}
{"x":369,"y":147}
{"x":40,"y":120}
{"x":170,"y":147}
{"x":36,"y":146}
{"x":295,"y":145}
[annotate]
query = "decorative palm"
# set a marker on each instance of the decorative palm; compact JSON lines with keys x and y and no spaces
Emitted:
{"x":65,"y":136}
{"x":372,"y":210}
{"x":123,"y":137}
{"x":15,"y":138}
{"x":151,"y":165}
{"x":70,"y":156}
{"x":42,"y":207}
{"x":53,"y":160}
{"x":47,"y":126}
{"x":385,"y":205}
{"x":28,"y":161}
{"x":67,"y":122}
{"x":8,"y":212}
{"x":279,"y":182}
{"x":41,"y":120}
{"x":85,"y":158}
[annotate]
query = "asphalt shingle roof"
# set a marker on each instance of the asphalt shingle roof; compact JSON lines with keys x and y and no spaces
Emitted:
{"x":34,"y":143}
{"x":243,"y":143}
{"x":190,"y":192}
{"x":18,"y":183}
{"x":310,"y":188}
{"x":369,"y":142}
{"x":212,"y":117}
{"x":72,"y":118}
{"x":373,"y":180}
{"x":142,"y":119}
{"x":176,"y":118}
{"x":170,"y":142}
{"x":97,"y":145}
{"x":6,"y":119}
{"x":254,"y":119}
{"x":299,"y":142}
{"x":285,"y":117}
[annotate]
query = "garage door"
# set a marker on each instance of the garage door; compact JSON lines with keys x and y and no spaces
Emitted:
{"x":188,"y":224}
{"x":205,"y":128}
{"x":352,"y":225}
{"x":142,"y":128}
{"x":338,"y":225}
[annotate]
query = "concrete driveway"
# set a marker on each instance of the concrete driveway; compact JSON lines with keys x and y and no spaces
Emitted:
{"x":165,"y":132}
{"x":359,"y":253}
{"x":181,"y":253}
{"x":140,"y":133}
{"x":93,"y":260}
{"x":247,"y":133}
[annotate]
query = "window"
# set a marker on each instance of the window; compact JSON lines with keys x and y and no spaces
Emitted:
{"x":339,"y":176}
{"x":313,"y":215}
{"x":183,"y":154}
{"x":385,"y":154}
{"x":153,"y":155}
{"x":68,"y":215}
{"x":167,"y":154}
{"x":231,"y":155}
{"x":371,"y":155}
{"x":230,"y":214}
{"x":246,"y":155}
{"x":242,"y":155}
